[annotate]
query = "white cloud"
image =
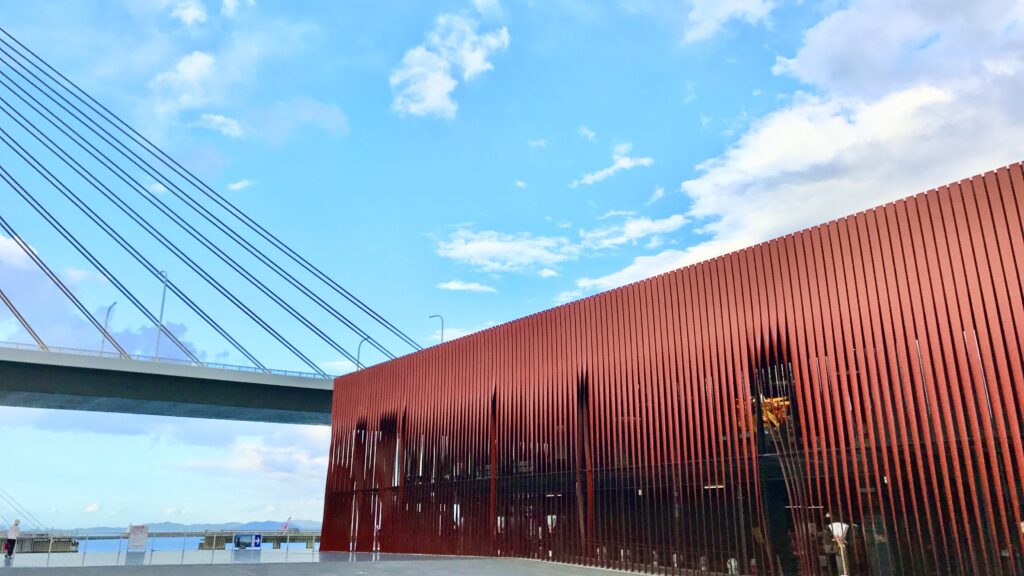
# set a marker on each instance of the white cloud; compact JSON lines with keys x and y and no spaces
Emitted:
{"x":341,"y":366}
{"x":172,"y":441}
{"x":913,"y":42}
{"x":286,"y":117}
{"x":460,"y":286}
{"x":455,"y":38}
{"x":691,"y":93}
{"x":256,"y":455}
{"x":707,"y":17}
{"x":631,"y":231}
{"x":615,"y":214}
{"x":172,"y":511}
{"x":9,"y":328}
{"x":12,"y":254}
{"x":451,"y":332}
{"x":222,"y":74}
{"x":424,"y":85}
{"x":587,"y":133}
{"x":187,"y":85}
{"x":492,"y":251}
{"x":76,"y":275}
{"x":622,"y":149}
{"x":488,"y":8}
{"x":157,"y":188}
{"x":230,"y":7}
{"x":520,"y":184}
{"x":658,"y":194}
{"x":621,"y":160}
{"x":909,"y":111}
{"x":240,"y":185}
{"x":190,"y":12}
{"x":497,"y":252}
{"x":1004,"y":66}
{"x":424,"y":82}
{"x":538,"y":143}
{"x":223,"y":124}
{"x":568,"y":296}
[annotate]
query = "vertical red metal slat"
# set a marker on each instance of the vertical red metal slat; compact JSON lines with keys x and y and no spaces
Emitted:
{"x":897,"y":367}
{"x":1008,"y":304}
{"x":938,"y":401}
{"x":998,"y":384}
{"x":861,"y":433}
{"x":980,"y":370}
{"x":866,"y":312}
{"x":940,"y":340}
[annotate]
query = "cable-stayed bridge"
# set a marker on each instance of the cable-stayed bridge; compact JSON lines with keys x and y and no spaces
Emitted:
{"x":80,"y":186}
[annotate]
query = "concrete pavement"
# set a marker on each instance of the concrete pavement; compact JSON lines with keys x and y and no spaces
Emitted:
{"x":385,"y":565}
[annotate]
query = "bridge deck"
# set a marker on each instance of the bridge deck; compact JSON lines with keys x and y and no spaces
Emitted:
{"x":36,"y":379}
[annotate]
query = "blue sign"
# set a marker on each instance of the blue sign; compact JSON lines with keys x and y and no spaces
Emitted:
{"x":257,"y":540}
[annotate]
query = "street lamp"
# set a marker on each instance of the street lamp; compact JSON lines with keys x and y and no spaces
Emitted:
{"x":359,"y":350}
{"x":839,"y":530}
{"x":442,"y":325}
{"x":106,"y":320}
{"x":160,"y":328}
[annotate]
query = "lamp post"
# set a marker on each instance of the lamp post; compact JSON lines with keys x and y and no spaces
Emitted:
{"x":106,"y":320}
{"x":359,"y":351}
{"x":160,"y":328}
{"x":839,"y":530}
{"x":442,"y":325}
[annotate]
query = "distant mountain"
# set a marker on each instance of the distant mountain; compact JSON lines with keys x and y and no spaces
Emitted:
{"x":264,"y":526}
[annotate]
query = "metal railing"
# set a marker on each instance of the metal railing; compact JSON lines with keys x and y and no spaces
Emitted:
{"x":66,"y":549}
{"x":162,"y":360}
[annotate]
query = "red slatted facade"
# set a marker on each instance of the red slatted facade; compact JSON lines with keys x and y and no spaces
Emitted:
{"x":865,"y":371}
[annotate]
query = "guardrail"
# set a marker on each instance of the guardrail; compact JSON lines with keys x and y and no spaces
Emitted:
{"x":160,"y":360}
{"x":53,"y":549}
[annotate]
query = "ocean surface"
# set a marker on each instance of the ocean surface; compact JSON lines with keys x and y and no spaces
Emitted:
{"x":157,"y":543}
{"x":105,"y":551}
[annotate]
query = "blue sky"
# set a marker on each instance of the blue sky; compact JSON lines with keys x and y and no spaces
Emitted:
{"x":483,"y":160}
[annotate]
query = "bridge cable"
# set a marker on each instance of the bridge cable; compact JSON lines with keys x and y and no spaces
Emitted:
{"x":21,"y":509}
{"x":153,"y":200}
{"x":66,"y":192}
{"x":149,"y":228}
{"x":24,"y":323}
{"x":121,"y":126}
{"x":12,"y":143}
{"x":150,"y":197}
{"x":54,"y":278}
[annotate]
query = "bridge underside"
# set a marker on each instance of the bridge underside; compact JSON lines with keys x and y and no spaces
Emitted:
{"x":67,"y":382}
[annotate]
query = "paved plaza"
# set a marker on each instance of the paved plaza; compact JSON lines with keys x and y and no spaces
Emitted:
{"x":326,"y":564}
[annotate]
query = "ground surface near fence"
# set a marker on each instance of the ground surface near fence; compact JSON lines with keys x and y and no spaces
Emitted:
{"x":337,"y":564}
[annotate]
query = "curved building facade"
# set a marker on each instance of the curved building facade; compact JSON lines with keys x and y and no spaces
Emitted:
{"x":845,"y":399}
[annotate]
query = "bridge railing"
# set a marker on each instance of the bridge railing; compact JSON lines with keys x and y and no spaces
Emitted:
{"x":161,"y":360}
{"x":79,"y":548}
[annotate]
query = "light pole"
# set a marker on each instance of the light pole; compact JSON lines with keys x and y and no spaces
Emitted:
{"x":839,"y":530}
{"x":359,"y":350}
{"x":106,"y":320}
{"x":442,"y":325}
{"x":160,"y":328}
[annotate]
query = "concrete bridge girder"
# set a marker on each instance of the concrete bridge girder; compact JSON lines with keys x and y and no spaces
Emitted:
{"x":36,"y":379}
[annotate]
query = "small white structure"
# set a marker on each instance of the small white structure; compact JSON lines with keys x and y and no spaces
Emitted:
{"x":137,"y":537}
